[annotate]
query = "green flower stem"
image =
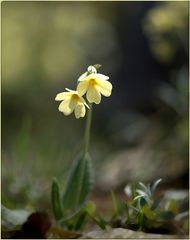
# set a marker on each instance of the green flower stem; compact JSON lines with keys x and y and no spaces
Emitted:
{"x":87,"y":130}
{"x":85,"y":152}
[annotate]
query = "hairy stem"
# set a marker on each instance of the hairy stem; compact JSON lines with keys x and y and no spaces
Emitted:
{"x":87,"y":131}
{"x":84,"y":153}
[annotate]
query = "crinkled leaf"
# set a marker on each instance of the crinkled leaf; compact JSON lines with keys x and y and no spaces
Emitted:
{"x":56,"y":200}
{"x":79,"y":183}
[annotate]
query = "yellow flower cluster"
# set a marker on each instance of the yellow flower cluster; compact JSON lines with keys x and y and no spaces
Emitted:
{"x":92,"y":84}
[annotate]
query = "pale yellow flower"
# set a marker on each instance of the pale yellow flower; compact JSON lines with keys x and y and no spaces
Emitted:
{"x":72,"y":101}
{"x":94,"y":85}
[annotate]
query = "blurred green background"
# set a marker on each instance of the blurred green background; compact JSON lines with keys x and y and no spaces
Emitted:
{"x":140,"y":133}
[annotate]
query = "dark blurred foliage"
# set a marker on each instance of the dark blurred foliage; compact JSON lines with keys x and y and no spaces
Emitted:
{"x":35,"y":227}
{"x":140,"y":131}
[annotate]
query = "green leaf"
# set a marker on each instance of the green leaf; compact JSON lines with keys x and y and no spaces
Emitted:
{"x":99,"y":221}
{"x":115,"y":204}
{"x":134,"y":208}
{"x":146,"y":210}
{"x":173,"y":206}
{"x":157,"y":202}
{"x":149,"y":190}
{"x":143,"y":186}
{"x":88,"y":210}
{"x":90,"y":207}
{"x":69,"y":220}
{"x":167,"y":215}
{"x":97,"y":66}
{"x":155,"y":185}
{"x":80,"y":221}
{"x":127,"y":213}
{"x":78,"y":185}
{"x":56,"y":200}
{"x":77,"y":218}
{"x":133,"y":190}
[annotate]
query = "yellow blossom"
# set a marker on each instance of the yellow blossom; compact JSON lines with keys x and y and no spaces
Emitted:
{"x":71,"y":101}
{"x":94,"y":85}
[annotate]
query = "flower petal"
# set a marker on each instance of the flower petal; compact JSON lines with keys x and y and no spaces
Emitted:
{"x":71,"y":91}
{"x":82,"y":76}
{"x":105,"y":87}
{"x":67,"y":106}
{"x":62,"y":96}
{"x":80,"y":110}
{"x":82,"y":88}
{"x":88,"y":77}
{"x":72,"y":104}
{"x":96,"y":76}
{"x":93,"y":95}
{"x":101,"y":76}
